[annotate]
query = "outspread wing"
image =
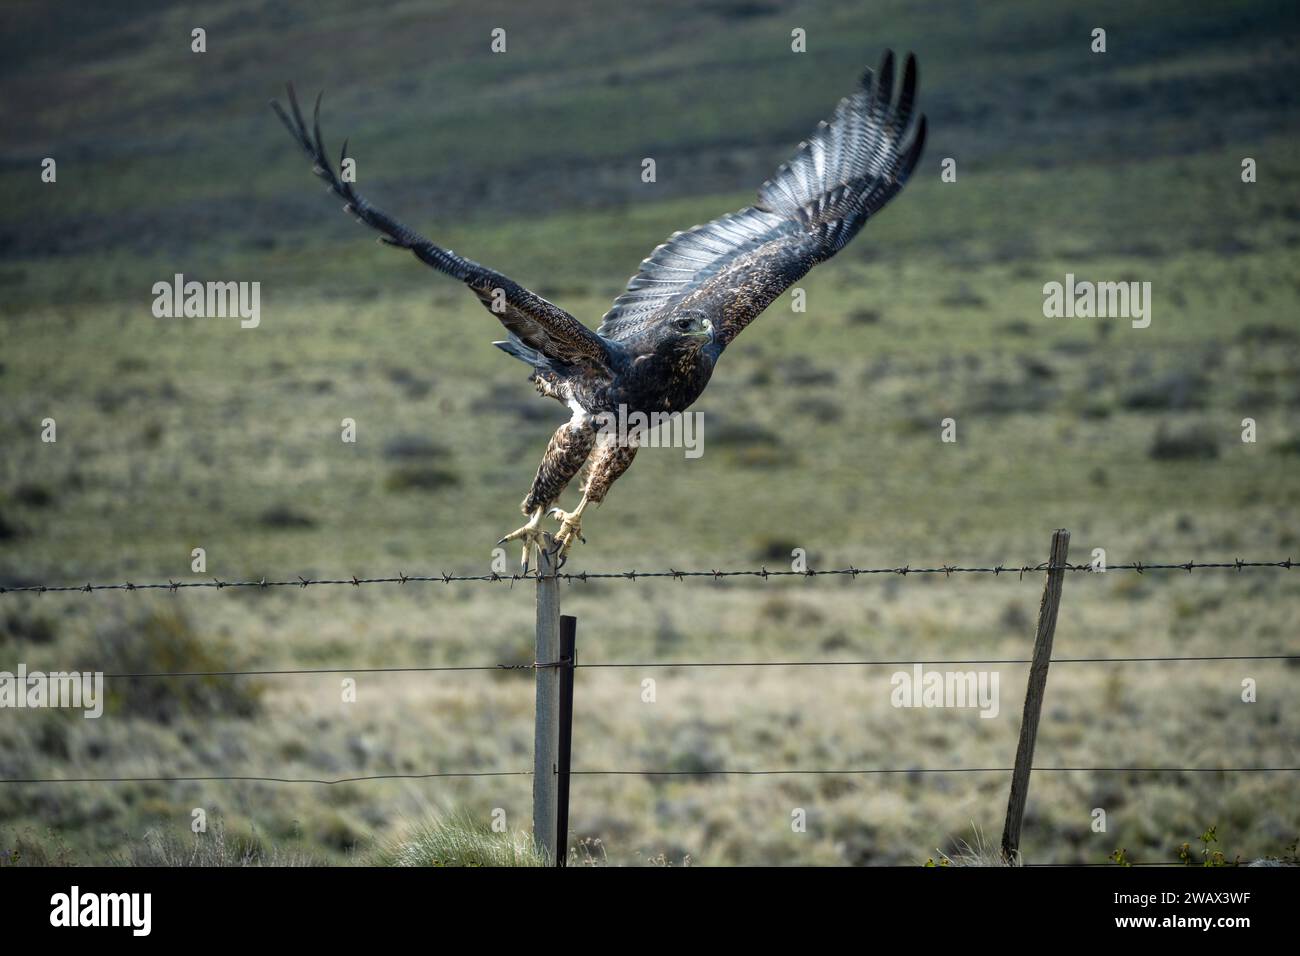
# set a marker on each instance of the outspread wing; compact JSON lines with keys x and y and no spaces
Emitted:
{"x":732,"y":268}
{"x":538,"y":323}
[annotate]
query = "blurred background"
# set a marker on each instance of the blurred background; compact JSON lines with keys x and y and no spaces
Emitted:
{"x":821,"y":429}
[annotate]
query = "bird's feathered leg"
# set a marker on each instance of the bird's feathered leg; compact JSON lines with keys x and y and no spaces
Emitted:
{"x":565,"y":455}
{"x":610,"y":459}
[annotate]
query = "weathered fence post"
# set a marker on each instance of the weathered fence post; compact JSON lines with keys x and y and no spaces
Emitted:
{"x":569,"y":657}
{"x":1042,"y":658}
{"x":546,"y":734}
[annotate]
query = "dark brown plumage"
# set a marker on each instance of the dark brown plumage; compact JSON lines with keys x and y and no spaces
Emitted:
{"x":656,"y":348}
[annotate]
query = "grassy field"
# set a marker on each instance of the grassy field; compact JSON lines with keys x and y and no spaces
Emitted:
{"x":821,"y":429}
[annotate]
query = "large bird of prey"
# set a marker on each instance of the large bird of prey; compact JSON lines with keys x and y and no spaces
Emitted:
{"x":656,"y":348}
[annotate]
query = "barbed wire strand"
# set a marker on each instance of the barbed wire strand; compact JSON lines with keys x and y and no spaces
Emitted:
{"x":600,"y":665}
{"x":891,"y":770}
{"x":935,"y":663}
{"x":761,"y":573}
{"x":254,"y":779}
{"x":702,"y":772}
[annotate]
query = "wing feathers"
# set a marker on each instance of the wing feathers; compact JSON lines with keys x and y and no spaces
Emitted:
{"x":686,"y":259}
{"x":540,"y":324}
{"x":813,"y":205}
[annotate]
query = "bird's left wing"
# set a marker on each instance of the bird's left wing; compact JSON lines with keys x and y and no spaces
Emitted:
{"x":732,"y":268}
{"x":540,"y":324}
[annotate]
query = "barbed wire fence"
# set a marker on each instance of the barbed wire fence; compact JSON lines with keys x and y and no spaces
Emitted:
{"x":555,"y":662}
{"x":571,"y":577}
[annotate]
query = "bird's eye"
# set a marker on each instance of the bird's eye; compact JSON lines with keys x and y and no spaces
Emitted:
{"x":683,"y":324}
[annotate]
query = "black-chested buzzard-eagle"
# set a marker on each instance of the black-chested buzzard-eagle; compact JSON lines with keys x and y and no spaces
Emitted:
{"x":656,"y":348}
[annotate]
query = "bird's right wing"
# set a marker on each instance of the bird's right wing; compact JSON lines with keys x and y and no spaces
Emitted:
{"x":733,"y":267}
{"x":540,"y":324}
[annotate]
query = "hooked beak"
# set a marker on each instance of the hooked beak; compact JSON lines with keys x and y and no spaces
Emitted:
{"x":704,"y":333}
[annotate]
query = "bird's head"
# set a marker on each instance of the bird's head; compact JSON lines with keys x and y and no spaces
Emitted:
{"x":687,"y":331}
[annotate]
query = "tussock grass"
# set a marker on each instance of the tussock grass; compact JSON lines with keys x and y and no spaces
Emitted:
{"x":218,"y":847}
{"x":977,"y":851}
{"x":459,"y":840}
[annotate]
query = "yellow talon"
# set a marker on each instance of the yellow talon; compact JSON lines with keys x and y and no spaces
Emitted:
{"x":533,"y":537}
{"x":570,"y":528}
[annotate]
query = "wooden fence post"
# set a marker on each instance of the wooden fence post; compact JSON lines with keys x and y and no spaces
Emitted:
{"x":568,"y":654}
{"x":1042,"y":658}
{"x":546,"y":733}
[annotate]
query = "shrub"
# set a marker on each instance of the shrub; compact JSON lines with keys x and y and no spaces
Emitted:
{"x":165,"y":641}
{"x":407,"y":447}
{"x":30,"y":628}
{"x":1180,"y":389}
{"x":1193,"y":442}
{"x":286,"y":517}
{"x":8,"y":529}
{"x":34,"y":495}
{"x":421,"y":478}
